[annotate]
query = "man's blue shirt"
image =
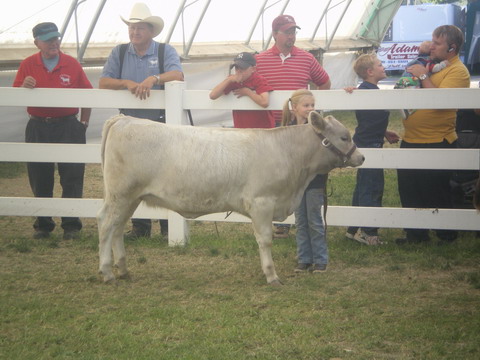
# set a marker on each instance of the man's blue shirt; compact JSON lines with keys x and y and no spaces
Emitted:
{"x":137,"y":69}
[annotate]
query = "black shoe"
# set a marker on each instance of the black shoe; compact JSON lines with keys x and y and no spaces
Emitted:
{"x":134,"y":234}
{"x":41,"y":234}
{"x":301,"y":268}
{"x":318,"y":268}
{"x":71,"y":234}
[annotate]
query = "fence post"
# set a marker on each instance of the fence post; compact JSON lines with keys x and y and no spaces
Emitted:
{"x":177,"y":226}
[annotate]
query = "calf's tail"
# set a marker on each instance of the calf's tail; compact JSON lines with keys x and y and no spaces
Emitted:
{"x":106,"y":128}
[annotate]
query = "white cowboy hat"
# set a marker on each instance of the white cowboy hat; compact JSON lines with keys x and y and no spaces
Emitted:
{"x":141,"y":13}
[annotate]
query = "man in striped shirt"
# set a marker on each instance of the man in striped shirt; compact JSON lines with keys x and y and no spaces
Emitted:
{"x":287,"y":67}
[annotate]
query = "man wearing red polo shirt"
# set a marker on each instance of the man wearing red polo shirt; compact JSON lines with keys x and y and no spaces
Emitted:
{"x":287,"y":67}
{"x":50,"y":68}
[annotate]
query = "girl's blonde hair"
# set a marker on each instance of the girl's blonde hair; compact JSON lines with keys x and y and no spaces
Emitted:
{"x":293,"y":101}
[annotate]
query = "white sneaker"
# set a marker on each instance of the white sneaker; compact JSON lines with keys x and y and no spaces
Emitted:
{"x":366,"y":239}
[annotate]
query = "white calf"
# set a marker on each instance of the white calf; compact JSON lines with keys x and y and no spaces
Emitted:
{"x":195,"y":171}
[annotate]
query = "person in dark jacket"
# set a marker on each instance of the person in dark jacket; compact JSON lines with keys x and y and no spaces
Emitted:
{"x":370,"y":133}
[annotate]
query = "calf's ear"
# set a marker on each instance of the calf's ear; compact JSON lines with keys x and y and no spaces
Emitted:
{"x":317,"y":121}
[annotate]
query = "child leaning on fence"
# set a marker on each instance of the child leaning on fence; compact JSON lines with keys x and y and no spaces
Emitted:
{"x":247,"y":82}
{"x":311,"y":241}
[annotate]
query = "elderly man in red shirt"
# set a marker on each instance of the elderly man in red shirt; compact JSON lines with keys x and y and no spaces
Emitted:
{"x":50,"y":68}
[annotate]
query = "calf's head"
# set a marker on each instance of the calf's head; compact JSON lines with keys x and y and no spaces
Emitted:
{"x":336,"y":138}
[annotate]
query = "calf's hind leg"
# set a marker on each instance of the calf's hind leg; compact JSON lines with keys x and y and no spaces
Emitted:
{"x":111,"y":221}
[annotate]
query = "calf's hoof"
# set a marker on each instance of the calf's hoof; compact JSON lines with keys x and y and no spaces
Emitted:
{"x":109,"y":281}
{"x":275,"y":282}
{"x":124,"y":276}
{"x":108,"y":278}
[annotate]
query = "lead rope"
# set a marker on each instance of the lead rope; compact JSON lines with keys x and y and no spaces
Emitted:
{"x":325,"y":205}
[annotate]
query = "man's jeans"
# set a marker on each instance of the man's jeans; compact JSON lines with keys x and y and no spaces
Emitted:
{"x":311,"y":242}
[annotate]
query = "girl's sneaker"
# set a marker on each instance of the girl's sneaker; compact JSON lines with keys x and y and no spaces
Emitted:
{"x":318,"y":268}
{"x":301,"y":268}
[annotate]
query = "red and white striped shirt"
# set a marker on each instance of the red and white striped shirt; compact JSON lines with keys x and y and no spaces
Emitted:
{"x":291,"y":73}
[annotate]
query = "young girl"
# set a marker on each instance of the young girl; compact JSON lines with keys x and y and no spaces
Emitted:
{"x":311,"y":243}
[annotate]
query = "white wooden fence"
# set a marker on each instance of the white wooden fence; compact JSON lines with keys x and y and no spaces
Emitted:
{"x":176,"y":98}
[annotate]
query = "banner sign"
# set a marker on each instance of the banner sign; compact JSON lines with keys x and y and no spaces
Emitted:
{"x":396,"y":55}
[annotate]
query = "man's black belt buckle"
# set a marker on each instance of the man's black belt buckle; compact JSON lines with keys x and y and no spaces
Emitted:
{"x":51,"y":120}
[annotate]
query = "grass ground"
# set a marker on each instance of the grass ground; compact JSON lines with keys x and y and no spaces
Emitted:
{"x":209,"y":300}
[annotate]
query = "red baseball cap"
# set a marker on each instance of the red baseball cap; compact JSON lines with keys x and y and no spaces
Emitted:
{"x":283,"y":23}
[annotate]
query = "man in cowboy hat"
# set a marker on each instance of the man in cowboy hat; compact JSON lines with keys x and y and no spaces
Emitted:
{"x":139,"y":66}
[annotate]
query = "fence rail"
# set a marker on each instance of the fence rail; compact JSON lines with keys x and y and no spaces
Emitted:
{"x":176,"y":98}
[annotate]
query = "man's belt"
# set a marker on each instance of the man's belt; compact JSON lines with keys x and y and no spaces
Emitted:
{"x":51,"y":120}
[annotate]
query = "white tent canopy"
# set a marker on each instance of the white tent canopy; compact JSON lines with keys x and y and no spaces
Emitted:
{"x":207,"y":34}
{"x":198,"y":28}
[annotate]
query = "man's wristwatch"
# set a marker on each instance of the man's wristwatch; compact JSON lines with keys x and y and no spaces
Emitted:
{"x":158,"y":79}
{"x":423,"y":77}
